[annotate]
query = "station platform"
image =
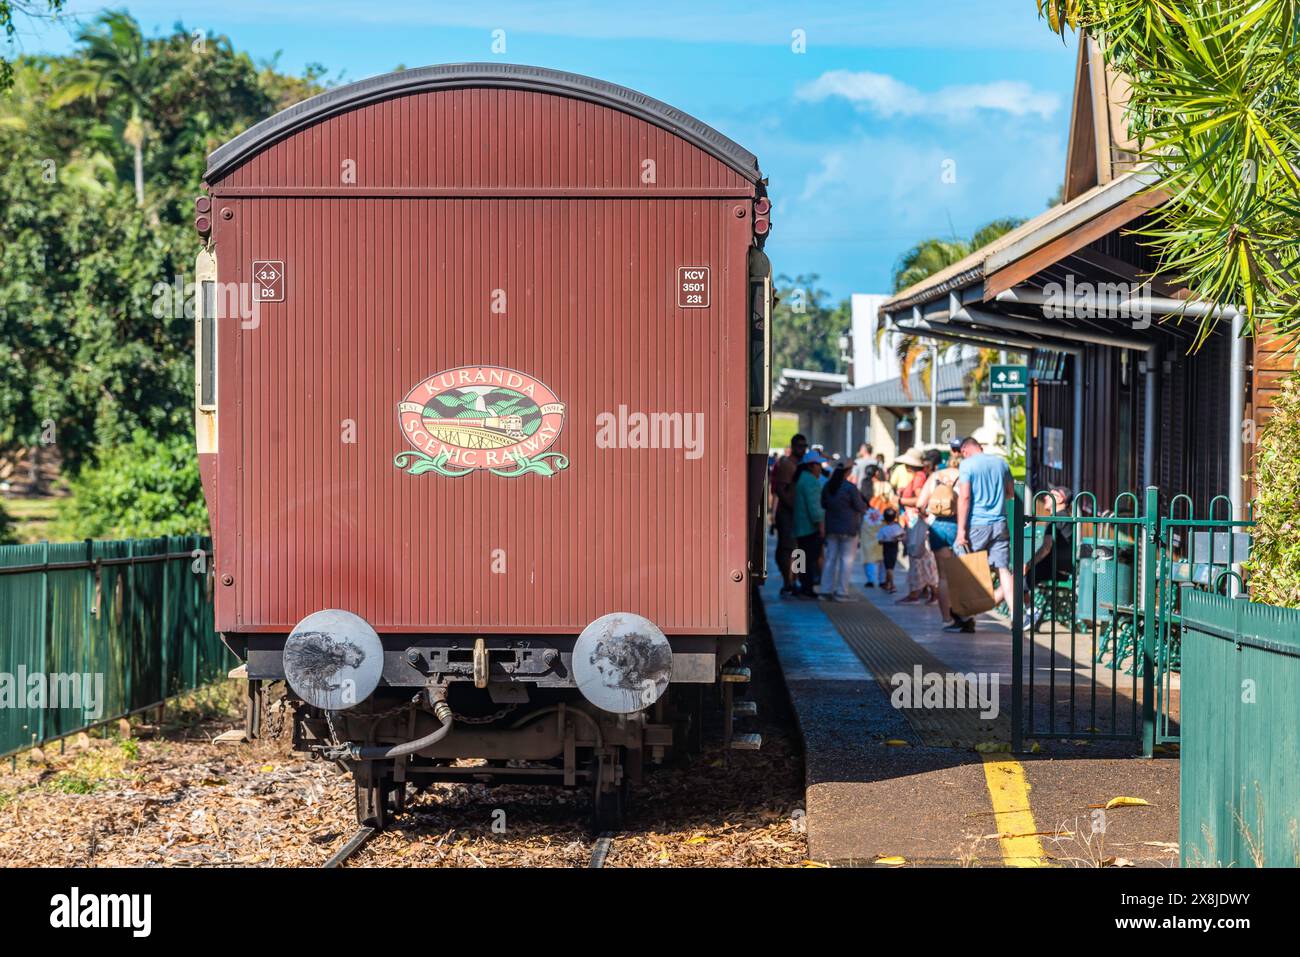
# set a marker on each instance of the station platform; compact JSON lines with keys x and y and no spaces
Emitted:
{"x":896,"y":779}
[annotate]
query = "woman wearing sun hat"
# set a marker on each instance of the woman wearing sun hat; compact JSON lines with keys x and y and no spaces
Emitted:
{"x":922,"y":573}
{"x":809,"y":520}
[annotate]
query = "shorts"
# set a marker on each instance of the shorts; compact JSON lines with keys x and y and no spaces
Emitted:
{"x":942,"y":534}
{"x":785,"y":528}
{"x":891,"y":554}
{"x":994,"y":539}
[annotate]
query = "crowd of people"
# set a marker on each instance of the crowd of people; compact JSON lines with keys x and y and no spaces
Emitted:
{"x":830,"y":513}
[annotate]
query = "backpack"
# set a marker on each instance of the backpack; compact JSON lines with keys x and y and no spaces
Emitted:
{"x":943,"y":501}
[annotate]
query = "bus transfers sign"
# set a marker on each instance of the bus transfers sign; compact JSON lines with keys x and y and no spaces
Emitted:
{"x":476,"y":418}
{"x":1009,"y":380}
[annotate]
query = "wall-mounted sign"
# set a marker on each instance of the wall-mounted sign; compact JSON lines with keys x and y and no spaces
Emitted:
{"x":1053,"y":448}
{"x":268,"y":280}
{"x":692,"y":287}
{"x":476,"y":418}
{"x":1009,"y":380}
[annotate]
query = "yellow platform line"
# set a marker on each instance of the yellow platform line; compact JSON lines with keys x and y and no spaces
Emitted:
{"x":1009,"y":791}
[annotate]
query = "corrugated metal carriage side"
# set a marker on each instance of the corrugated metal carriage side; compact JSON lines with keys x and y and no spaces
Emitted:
{"x":481,"y":402}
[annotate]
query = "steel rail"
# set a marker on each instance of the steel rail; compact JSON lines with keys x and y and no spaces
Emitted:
{"x":354,"y":844}
{"x":600,"y":850}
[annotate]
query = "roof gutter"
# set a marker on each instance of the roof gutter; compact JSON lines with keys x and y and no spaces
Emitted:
{"x":1126,"y":307}
{"x":981,"y":317}
{"x":930,"y":293}
{"x":972,"y":337}
{"x":1102,"y":201}
{"x":1113,"y":194}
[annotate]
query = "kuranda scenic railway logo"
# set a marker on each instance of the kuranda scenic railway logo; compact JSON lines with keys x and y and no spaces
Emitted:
{"x":481,"y":417}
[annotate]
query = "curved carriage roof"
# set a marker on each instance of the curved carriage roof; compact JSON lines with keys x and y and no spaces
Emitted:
{"x":459,"y":75}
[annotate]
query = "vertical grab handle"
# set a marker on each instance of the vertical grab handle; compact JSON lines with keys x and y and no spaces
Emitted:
{"x":205,"y":351}
{"x":760,"y":332}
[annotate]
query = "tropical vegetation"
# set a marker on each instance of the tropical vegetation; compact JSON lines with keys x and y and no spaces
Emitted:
{"x":142,"y":488}
{"x":806,"y":326}
{"x":1215,"y":107}
{"x":920,"y":262}
{"x":1275,"y":560}
{"x":104,"y":154}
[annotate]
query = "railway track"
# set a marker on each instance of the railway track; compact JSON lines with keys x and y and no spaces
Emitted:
{"x":354,"y":844}
{"x":600,"y":850}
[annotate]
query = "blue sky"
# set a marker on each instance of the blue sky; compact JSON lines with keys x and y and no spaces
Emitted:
{"x":855,"y":134}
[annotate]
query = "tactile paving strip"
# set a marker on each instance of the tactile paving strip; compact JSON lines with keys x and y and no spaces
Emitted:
{"x":887,"y":651}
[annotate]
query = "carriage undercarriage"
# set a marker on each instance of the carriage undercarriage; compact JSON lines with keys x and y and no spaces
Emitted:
{"x":509,"y":712}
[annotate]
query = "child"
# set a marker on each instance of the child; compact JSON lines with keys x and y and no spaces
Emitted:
{"x":890,"y":534}
{"x":872,"y":552}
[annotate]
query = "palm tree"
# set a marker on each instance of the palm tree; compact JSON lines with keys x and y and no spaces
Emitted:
{"x":1212,"y":101}
{"x":926,"y":258}
{"x":920,"y":262}
{"x":115,"y":66}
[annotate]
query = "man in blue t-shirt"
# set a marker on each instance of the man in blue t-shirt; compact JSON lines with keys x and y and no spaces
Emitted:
{"x":983,"y":486}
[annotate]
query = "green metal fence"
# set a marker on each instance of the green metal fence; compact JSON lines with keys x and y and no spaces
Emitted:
{"x":92,"y":631}
{"x":1101,"y":613}
{"x":1197,"y":554}
{"x":1091,"y":598}
{"x":1239,"y":774}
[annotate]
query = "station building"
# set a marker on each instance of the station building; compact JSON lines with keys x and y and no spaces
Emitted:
{"x":1119,"y":397}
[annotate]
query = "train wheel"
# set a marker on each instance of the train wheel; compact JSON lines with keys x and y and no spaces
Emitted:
{"x":607,"y":798}
{"x":372,"y":803}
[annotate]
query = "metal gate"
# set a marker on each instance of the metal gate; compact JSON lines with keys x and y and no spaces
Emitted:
{"x":1095,"y":618}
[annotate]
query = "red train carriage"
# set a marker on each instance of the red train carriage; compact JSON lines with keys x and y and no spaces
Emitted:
{"x":481,"y":406}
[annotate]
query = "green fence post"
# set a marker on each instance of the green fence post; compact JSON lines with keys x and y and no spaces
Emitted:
{"x":198,"y":652}
{"x":45,"y":632}
{"x":162,"y":627}
{"x":1016,"y":521}
{"x":1150,"y":615}
{"x":130,"y":643}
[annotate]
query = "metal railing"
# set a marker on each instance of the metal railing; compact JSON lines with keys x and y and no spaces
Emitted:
{"x":97,"y":630}
{"x":1197,"y":555}
{"x":1112,"y":592}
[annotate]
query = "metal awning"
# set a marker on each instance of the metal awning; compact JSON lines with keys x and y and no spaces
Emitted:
{"x":804,"y":389}
{"x":980,"y":301}
{"x":950,"y":382}
{"x":1031,"y":236}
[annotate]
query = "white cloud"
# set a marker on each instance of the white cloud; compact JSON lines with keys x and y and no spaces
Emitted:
{"x":846,"y":208}
{"x":831,"y":174}
{"x":888,"y":97}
